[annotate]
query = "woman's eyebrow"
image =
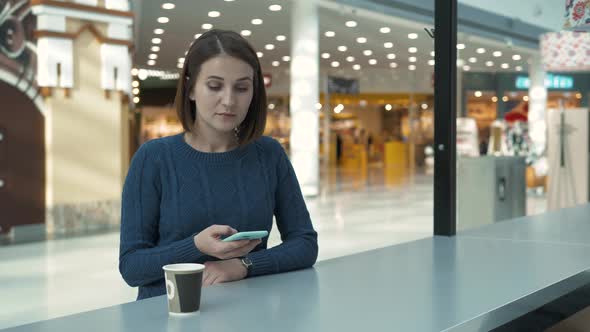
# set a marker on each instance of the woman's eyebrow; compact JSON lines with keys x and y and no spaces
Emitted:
{"x":245,"y":78}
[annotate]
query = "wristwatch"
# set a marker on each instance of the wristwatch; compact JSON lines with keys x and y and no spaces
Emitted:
{"x":246,"y":262}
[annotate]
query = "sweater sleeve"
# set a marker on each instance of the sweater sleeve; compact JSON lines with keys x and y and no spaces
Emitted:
{"x":140,"y":258}
{"x":299,"y":247}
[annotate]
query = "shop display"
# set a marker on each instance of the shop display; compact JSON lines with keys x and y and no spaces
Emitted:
{"x":467,"y":137}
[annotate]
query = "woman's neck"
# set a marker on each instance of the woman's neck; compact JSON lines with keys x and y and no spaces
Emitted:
{"x":211,"y":143}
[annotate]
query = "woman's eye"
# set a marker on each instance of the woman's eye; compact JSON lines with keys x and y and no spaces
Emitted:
{"x":242,"y":89}
{"x":215,"y":87}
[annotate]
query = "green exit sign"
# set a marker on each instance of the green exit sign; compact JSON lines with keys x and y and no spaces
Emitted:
{"x":551,"y":82}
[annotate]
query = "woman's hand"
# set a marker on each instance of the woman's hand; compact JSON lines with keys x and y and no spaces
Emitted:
{"x":223,"y":271}
{"x":209,"y":243}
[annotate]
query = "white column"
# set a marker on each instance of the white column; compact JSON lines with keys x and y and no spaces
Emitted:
{"x":305,"y":94}
{"x":537,"y":105}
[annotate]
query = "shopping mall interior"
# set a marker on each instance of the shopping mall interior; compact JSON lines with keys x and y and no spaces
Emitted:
{"x":87,"y":82}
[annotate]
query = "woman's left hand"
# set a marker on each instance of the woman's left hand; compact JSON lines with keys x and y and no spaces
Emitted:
{"x":223,"y":271}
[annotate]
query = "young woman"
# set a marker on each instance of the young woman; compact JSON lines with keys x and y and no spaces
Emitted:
{"x":184,"y":193}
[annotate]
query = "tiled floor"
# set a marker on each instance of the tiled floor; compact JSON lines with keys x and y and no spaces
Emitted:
{"x":355,"y":212}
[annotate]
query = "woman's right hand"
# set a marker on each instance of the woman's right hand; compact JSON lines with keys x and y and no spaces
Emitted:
{"x":209,"y":243}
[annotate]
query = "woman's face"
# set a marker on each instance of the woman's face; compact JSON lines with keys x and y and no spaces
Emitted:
{"x":223,"y":92}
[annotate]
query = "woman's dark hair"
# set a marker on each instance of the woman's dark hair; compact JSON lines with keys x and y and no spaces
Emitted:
{"x":213,"y":43}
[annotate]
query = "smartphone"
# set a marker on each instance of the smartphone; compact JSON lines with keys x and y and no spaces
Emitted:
{"x":255,"y":235}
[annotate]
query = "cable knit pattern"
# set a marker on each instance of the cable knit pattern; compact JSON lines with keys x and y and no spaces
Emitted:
{"x":173,"y":192}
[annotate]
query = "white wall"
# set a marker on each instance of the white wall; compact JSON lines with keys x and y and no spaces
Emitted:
{"x":548,"y":14}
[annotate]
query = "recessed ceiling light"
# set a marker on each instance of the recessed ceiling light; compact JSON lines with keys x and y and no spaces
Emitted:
{"x":271,"y":106}
{"x":198,"y":35}
{"x":505,"y":98}
{"x":269,"y":47}
{"x":351,"y":24}
{"x":497,"y":54}
{"x":136,"y":100}
{"x":412,"y":50}
{"x":153,"y":56}
{"x":367,"y":52}
{"x":325,"y":55}
{"x":385,"y":30}
{"x":207,"y":26}
{"x":163,"y":19}
{"x":391,"y":56}
{"x":257,"y":21}
{"x":259,"y":54}
{"x":460,"y":46}
{"x":412,"y":59}
{"x":431,"y":62}
{"x":159,"y":31}
{"x":214,"y":13}
{"x":412,"y":67}
{"x":168,"y":5}
{"x":155,"y":48}
{"x":246,"y":33}
{"x":330,"y":34}
{"x":156,"y":40}
{"x":505,"y":66}
{"x":275,"y":8}
{"x":275,"y":63}
{"x":489,"y":63}
{"x":525,"y":98}
{"x":361,"y":40}
{"x":142,"y":74}
{"x":318,"y":106}
{"x":350,"y":59}
{"x":135,"y":84}
{"x":516,"y":57}
{"x":481,"y":50}
{"x":372,"y":62}
{"x":518,"y":68}
{"x":388,"y":107}
{"x":466,"y":68}
{"x":473,"y":60}
{"x":342,"y":48}
{"x":135,"y":91}
{"x":356,"y":67}
{"x":281,"y":38}
{"x":151,"y":62}
{"x":388,"y":45}
{"x":181,"y":60}
{"x":495,"y":99}
{"x":134,"y":71}
{"x":229,"y":0}
{"x":460,"y":62}
{"x":286,"y":58}
{"x":432,"y":53}
{"x":413,"y":36}
{"x":478,"y":94}
{"x":335,"y":64}
{"x":393,"y":65}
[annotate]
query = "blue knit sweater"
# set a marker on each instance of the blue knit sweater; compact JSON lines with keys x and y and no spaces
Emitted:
{"x":172,"y":192}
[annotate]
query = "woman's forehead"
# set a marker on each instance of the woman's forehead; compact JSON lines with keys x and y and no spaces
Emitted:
{"x":226,"y":67}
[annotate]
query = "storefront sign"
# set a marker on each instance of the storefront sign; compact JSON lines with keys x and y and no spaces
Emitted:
{"x":551,"y":82}
{"x":343,"y":85}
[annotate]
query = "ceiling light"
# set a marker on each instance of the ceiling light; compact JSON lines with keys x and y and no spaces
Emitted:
{"x":505,"y":98}
{"x":318,"y":106}
{"x":388,"y":107}
{"x":259,"y":54}
{"x":385,"y":30}
{"x":179,"y":65}
{"x":413,"y":36}
{"x":153,"y":56}
{"x":393,"y":65}
{"x":466,"y":68}
{"x":330,"y":34}
{"x":134,"y":71}
{"x":325,"y":55}
{"x":142,"y":74}
{"x":518,"y":68}
{"x":497,"y":54}
{"x":391,"y":56}
{"x":281,"y":38}
{"x":155,"y":49}
{"x":181,"y":60}
{"x":135,"y":84}
{"x":163,"y":19}
{"x":505,"y":66}
{"x":356,"y":67}
{"x":473,"y":60}
{"x":412,"y":50}
{"x":388,"y":45}
{"x":214,"y":13}
{"x":351,"y":24}
{"x":578,"y":95}
{"x":342,"y":48}
{"x":516,"y":57}
{"x":207,"y":26}
{"x":168,"y":5}
{"x":412,"y":59}
{"x":257,"y":21}
{"x":460,"y":46}
{"x":495,"y":99}
{"x":275,"y":63}
{"x":156,"y":40}
{"x":424,"y":106}
{"x":286,"y":58}
{"x":460,"y":62}
{"x":372,"y":62}
{"x":481,"y":50}
{"x":275,"y":8}
{"x":350,"y":59}
{"x":159,"y":31}
{"x":432,"y":53}
{"x":269,"y":47}
{"x":431,"y":62}
{"x":246,"y":33}
{"x":335,"y":64}
{"x":135,"y":91}
{"x":525,"y":98}
{"x":478,"y":94}
{"x":367,"y":52}
{"x":361,"y":40}
{"x":489,"y":63}
{"x":136,"y":100}
{"x":412,"y":67}
{"x":271,"y":106}
{"x":151,"y":62}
